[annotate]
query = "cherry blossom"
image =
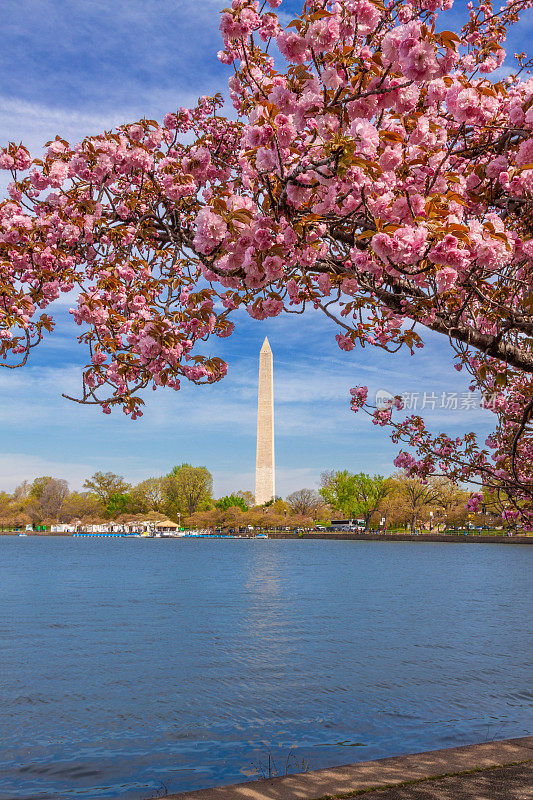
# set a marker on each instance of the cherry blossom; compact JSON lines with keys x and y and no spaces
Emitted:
{"x":377,"y":170}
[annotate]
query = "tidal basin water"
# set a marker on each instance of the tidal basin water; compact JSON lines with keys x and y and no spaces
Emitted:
{"x":130,"y":665}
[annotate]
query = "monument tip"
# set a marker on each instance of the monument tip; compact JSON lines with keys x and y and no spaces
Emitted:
{"x":266,"y":344}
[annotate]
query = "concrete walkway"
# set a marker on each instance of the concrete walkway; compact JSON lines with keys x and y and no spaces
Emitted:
{"x":491,"y":771}
{"x":498,"y":783}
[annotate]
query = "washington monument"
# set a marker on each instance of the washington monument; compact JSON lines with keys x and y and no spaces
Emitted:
{"x":264,"y":470}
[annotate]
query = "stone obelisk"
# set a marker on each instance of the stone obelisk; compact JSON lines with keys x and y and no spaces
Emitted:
{"x":264,"y":470}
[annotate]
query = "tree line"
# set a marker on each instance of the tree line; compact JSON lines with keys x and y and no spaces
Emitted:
{"x":185,"y":496}
{"x":108,"y":496}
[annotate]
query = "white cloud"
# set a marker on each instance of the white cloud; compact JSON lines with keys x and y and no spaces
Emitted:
{"x":17,"y":467}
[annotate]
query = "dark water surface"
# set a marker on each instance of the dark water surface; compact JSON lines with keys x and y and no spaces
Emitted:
{"x":127,"y":664}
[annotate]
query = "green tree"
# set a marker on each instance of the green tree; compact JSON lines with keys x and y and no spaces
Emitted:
{"x":188,"y":489}
{"x":279,"y":507}
{"x":272,"y":501}
{"x":82,"y":504}
{"x":105,"y":485}
{"x":337,"y":489}
{"x":231,"y":501}
{"x":149,"y":495}
{"x":357,"y":495}
{"x":119,"y":504}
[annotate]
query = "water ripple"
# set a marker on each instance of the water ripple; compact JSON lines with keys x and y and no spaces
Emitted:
{"x":129,"y":665}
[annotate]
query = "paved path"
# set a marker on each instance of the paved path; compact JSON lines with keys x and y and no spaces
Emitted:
{"x":491,"y":771}
{"x":498,"y":783}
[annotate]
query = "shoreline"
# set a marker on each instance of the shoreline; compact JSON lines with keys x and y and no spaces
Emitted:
{"x":458,"y":538}
{"x":491,"y":770}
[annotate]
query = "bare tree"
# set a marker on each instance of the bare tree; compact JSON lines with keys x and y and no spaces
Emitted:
{"x":46,"y":498}
{"x":304,"y":502}
{"x":53,"y":497}
{"x":247,"y":496}
{"x":22,"y":492}
{"x":416,"y":495}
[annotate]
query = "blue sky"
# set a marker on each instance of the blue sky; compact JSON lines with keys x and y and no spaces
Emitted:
{"x":74,"y":68}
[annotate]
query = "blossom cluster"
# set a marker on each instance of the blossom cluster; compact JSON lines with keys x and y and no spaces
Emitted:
{"x":377,"y":170}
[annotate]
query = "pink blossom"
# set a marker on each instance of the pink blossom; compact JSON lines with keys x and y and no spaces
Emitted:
{"x":405,"y":246}
{"x":324,"y":284}
{"x":349,"y":285}
{"x":6,"y":161}
{"x":367,"y":16}
{"x":344,"y":342}
{"x":22,"y":158}
{"x":474,"y":502}
{"x":323,"y":33}
{"x":360,"y":393}
{"x":468,"y":105}
{"x":446,"y":279}
{"x":57,"y":148}
{"x":367,"y":134}
{"x":270,"y":27}
{"x":170,"y":121}
{"x":381,"y":417}
{"x":391,"y":158}
{"x":58,"y":173}
{"x":298,"y":195}
{"x":273,"y":266}
{"x":285,"y":130}
{"x":448,"y":253}
{"x":229,"y":28}
{"x":419,"y":61}
{"x":210,"y":231}
{"x":331,"y":78}
{"x":266,"y":159}
{"x":136,"y":132}
{"x":525,"y":153}
{"x":404,"y":461}
{"x":495,"y":166}
{"x":293,"y":47}
{"x":272,"y":307}
{"x":98,"y":358}
{"x":327,"y":125}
